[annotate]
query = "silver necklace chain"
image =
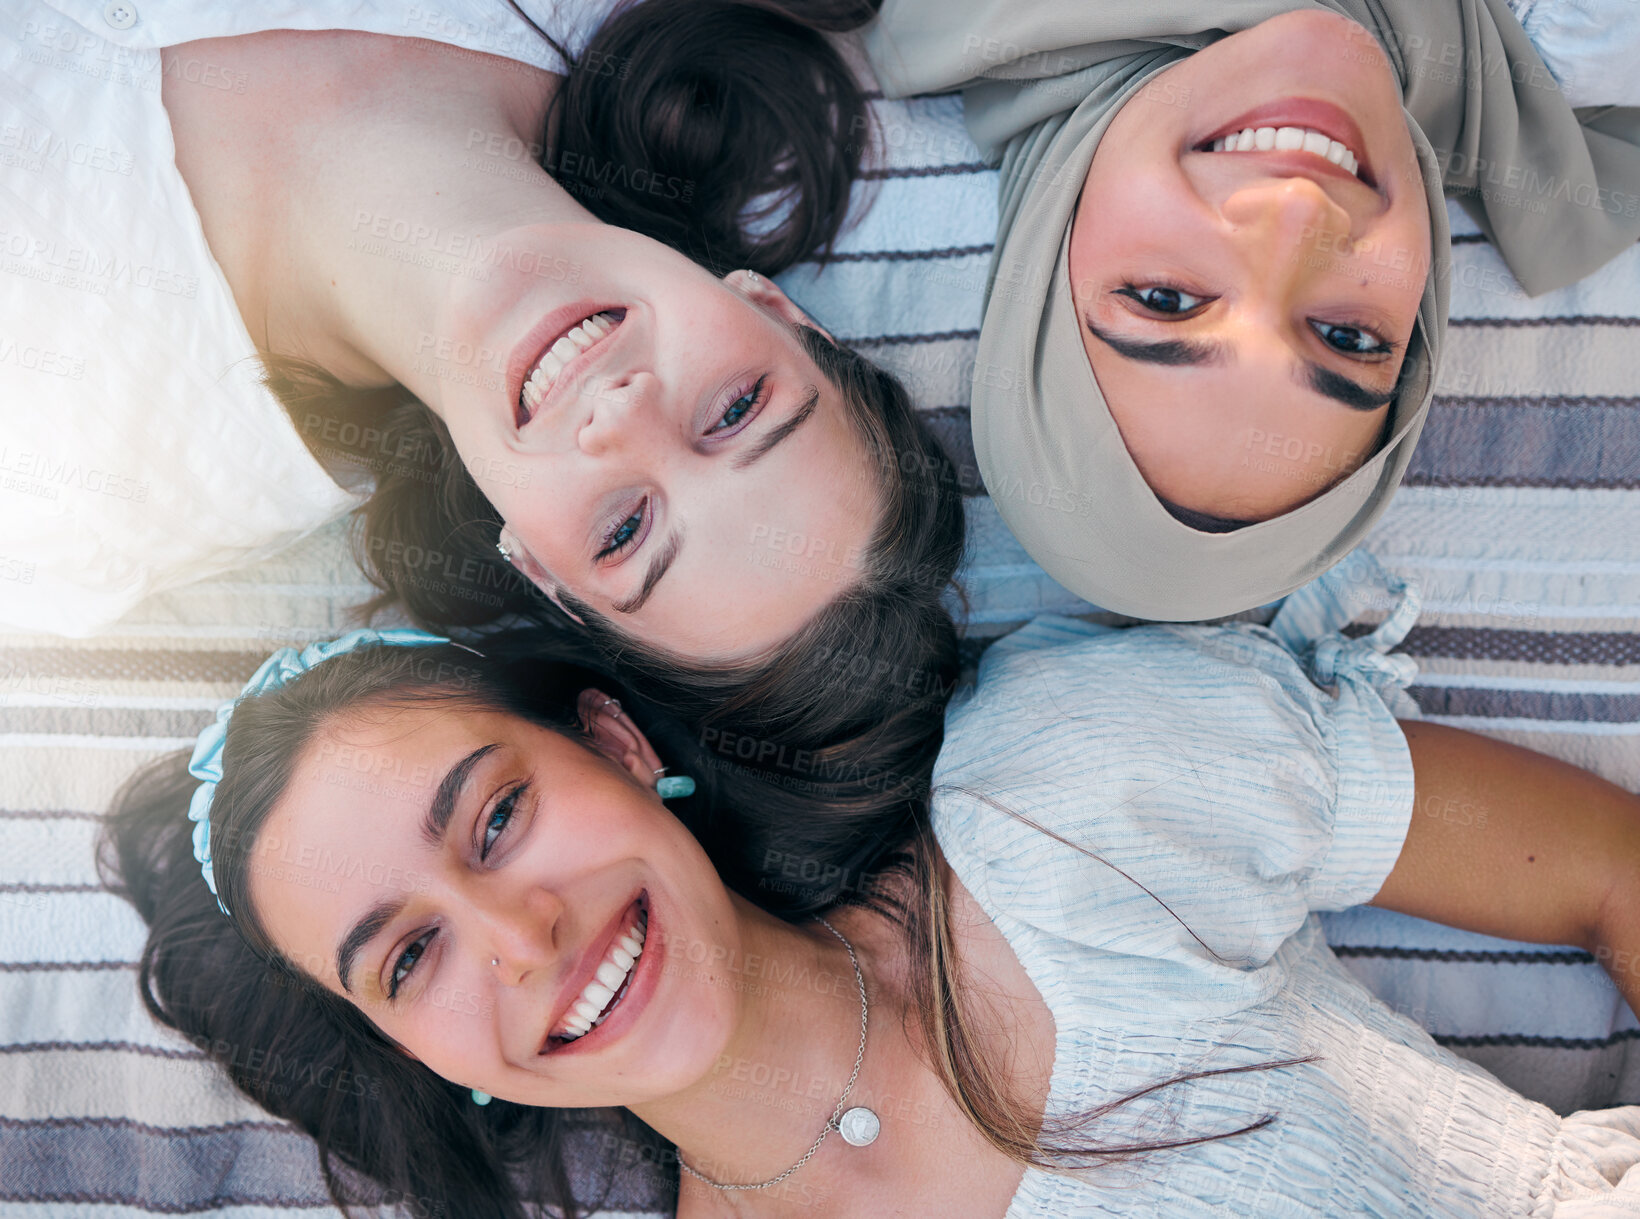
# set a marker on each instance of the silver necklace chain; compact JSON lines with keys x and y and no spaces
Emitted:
{"x":860,"y":981}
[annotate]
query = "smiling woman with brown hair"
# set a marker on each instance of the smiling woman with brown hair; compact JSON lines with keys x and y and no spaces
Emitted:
{"x":579,"y":398}
{"x":1085,"y":979}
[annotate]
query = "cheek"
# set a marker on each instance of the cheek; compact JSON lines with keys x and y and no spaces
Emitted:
{"x":450,"y":1032}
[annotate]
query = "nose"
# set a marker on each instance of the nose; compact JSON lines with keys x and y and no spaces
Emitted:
{"x":1279,"y":220}
{"x":519,"y":934}
{"x":613,"y":406}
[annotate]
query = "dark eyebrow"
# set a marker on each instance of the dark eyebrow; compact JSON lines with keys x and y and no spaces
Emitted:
{"x":433,"y":825}
{"x":1174,"y":352}
{"x":1342,"y":389}
{"x":798,"y":418}
{"x":444,"y":799}
{"x":362,"y":932}
{"x":657,"y":569}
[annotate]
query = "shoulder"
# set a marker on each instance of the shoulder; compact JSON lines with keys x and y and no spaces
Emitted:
{"x":1059,"y":676}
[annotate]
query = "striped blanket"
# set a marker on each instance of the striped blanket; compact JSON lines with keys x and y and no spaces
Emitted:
{"x":1521,"y":520}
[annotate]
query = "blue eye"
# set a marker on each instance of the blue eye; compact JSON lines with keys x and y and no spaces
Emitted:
{"x":742,"y":406}
{"x":1158,"y":299}
{"x":1352,"y":340}
{"x":619,"y":538}
{"x":499,"y":817}
{"x":406,"y":964}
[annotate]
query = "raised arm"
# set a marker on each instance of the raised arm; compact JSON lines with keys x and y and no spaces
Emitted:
{"x":1508,"y":842}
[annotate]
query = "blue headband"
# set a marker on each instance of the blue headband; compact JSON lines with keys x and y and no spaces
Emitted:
{"x":276,"y":670}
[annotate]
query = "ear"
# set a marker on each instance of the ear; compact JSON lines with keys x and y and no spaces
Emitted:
{"x":768,"y":295}
{"x":613,"y":734}
{"x":525,"y":563}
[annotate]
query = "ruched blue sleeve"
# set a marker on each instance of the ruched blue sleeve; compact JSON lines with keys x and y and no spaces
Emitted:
{"x":1186,"y":793}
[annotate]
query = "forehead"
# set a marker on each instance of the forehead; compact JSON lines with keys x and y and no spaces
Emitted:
{"x":1237,"y":442}
{"x":764,"y":549}
{"x":377,"y":765}
{"x":346,"y":832}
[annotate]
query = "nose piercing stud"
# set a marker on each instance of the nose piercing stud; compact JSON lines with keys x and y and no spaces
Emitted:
{"x":495,"y":960}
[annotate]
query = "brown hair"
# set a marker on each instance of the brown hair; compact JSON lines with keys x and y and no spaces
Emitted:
{"x":741,"y":110}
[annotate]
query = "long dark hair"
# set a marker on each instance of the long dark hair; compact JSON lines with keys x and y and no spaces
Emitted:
{"x":387,"y":1128}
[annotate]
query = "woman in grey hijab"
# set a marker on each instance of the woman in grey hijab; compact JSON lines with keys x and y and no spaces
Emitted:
{"x":1220,"y":285}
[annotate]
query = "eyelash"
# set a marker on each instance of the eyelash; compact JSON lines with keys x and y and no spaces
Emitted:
{"x":755,"y":393}
{"x":611,"y":545}
{"x":509,"y":802}
{"x":1385,"y":346}
{"x":1136,"y":293}
{"x":614,"y":541}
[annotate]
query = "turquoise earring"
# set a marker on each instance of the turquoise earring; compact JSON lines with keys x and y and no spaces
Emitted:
{"x":674,"y":786}
{"x":481,"y":1098}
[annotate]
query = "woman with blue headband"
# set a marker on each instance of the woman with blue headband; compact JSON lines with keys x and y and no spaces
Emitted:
{"x":1084,"y":978}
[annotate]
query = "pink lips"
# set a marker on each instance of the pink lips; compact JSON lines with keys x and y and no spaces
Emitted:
{"x":1332,"y":121}
{"x":596,"y":950}
{"x":528,"y":352}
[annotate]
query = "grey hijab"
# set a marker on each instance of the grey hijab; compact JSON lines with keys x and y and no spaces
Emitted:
{"x":1556,"y":191}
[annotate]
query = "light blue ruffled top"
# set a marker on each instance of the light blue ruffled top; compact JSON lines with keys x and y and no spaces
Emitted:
{"x":1247,"y":777}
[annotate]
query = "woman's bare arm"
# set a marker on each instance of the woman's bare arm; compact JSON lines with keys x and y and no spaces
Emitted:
{"x":1512,"y":843}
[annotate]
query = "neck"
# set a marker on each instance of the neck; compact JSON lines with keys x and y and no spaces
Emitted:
{"x":779,"y":1079}
{"x":356,"y":185}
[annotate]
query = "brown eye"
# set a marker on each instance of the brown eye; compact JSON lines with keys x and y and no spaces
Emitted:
{"x":1352,"y":340}
{"x":1158,"y":298}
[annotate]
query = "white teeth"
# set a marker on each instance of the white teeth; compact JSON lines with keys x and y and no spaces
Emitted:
{"x":1288,"y":139}
{"x":586,"y":1013}
{"x":552,"y":362}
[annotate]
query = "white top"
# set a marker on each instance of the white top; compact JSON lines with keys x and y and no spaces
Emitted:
{"x":137,"y":449}
{"x":1209,"y":776}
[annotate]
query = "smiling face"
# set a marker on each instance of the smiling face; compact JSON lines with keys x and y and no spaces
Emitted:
{"x":664,"y":461}
{"x":1246,"y":295}
{"x":416,"y":845}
